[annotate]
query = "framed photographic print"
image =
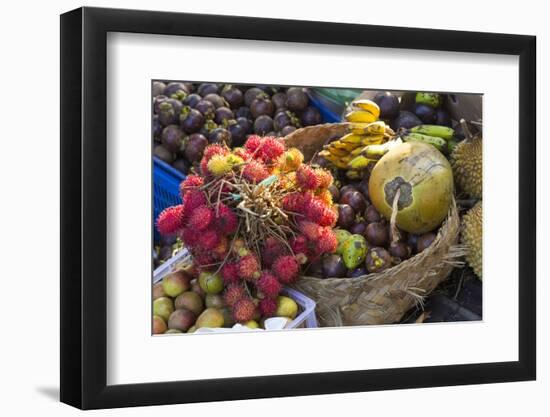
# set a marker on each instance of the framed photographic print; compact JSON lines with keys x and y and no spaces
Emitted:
{"x":258,"y":208}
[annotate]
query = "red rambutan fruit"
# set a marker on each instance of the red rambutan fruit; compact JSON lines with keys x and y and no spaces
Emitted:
{"x":243,"y":153}
{"x":271,"y":149}
{"x":226,"y":220}
{"x":271,"y":250}
{"x":324,"y":177}
{"x":318,"y":212}
{"x":307,"y":178}
{"x":244,"y":310}
{"x":230,"y":273}
{"x":299,"y":244}
{"x":255,"y":172}
{"x":214,"y":149}
{"x":234,"y":293}
{"x":267,"y":307}
{"x":293,"y":202}
{"x":249,"y":267}
{"x":208,"y":239}
{"x":268,"y":284}
{"x":192,"y":200}
{"x":253,"y":143}
{"x":202,"y":259}
{"x":170,"y":220}
{"x":311,"y":230}
{"x":327,"y":243}
{"x":189,"y":236}
{"x":286,"y":268}
{"x":201,"y":218}
{"x":190,"y":183}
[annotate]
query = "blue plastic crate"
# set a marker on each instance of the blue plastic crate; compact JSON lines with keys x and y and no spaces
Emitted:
{"x":166,"y":181}
{"x":328,"y":115}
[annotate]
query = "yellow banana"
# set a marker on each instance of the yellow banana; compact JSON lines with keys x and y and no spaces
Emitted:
{"x":369,"y":106}
{"x":357,"y":151}
{"x":335,"y":160}
{"x":351,"y":138}
{"x":338,"y":152}
{"x":360,"y":116}
{"x":372,"y":140}
{"x":443,"y":132}
{"x":439,"y":143}
{"x":377,"y":128}
{"x":347,"y":147}
{"x":360,"y":162}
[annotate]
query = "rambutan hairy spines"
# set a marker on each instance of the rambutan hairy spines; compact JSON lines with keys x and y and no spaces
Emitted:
{"x":286,"y":269}
{"x":307,"y":178}
{"x":208,"y":239}
{"x":234,"y":293}
{"x":293,"y":202}
{"x":214,"y":149}
{"x":255,"y":172}
{"x":242,"y":153}
{"x":268,"y":284}
{"x":226,"y":220}
{"x":193,"y":199}
{"x":203,"y":259}
{"x":328,"y":242}
{"x":299,"y":244}
{"x":230,"y":273}
{"x":190,"y":183}
{"x":267,"y":307}
{"x":218,"y":165}
{"x":170,"y":220}
{"x":324,"y":177}
{"x":271,"y":149}
{"x":189,"y":236}
{"x":244,"y":310}
{"x":318,"y":212}
{"x":201,"y":218}
{"x":271,"y":250}
{"x":253,"y":143}
{"x":249,"y":267}
{"x":311,"y":230}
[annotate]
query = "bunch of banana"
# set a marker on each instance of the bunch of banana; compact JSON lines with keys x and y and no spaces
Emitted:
{"x":360,"y":135}
{"x":363,"y":111}
{"x":438,"y":136}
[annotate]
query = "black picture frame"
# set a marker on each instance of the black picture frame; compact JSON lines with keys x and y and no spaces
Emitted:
{"x":84,"y":207}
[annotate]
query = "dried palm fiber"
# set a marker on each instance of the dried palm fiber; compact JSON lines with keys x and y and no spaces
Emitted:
{"x":384,"y":297}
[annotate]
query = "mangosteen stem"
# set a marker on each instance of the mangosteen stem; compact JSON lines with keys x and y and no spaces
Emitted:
{"x":467,"y":133}
{"x":395,"y":236}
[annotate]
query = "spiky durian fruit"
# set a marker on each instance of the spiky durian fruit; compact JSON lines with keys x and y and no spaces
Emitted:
{"x":466,"y":160}
{"x":472,"y":229}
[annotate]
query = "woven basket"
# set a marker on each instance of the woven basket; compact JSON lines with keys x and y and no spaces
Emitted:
{"x":381,"y":298}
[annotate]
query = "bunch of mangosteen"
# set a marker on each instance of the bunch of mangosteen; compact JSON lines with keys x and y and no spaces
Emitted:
{"x":189,"y":116}
{"x":365,"y":241}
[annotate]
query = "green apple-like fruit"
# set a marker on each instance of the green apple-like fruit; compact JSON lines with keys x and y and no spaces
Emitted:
{"x":176,"y":282}
{"x":159,"y":325}
{"x":211,"y":283}
{"x":163,"y":307}
{"x":181,"y":319}
{"x":211,"y":317}
{"x":191,"y":301}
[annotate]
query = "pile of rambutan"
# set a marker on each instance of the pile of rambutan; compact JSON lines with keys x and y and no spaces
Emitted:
{"x":254,"y":214}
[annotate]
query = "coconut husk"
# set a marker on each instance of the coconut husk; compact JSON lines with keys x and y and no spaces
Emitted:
{"x":380,"y":298}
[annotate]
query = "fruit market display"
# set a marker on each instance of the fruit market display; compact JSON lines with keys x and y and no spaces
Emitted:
{"x":189,"y":116}
{"x":256,"y":217}
{"x":253,"y":217}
